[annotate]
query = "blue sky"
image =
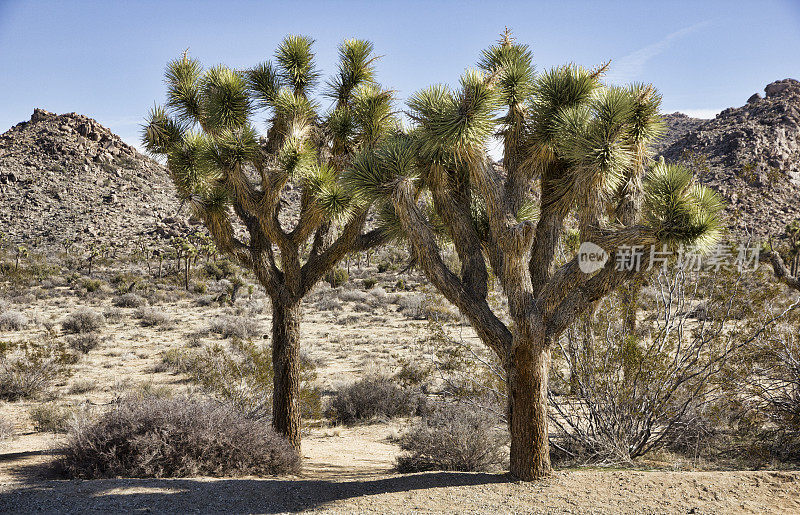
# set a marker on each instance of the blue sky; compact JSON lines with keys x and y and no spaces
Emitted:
{"x":106,"y":58}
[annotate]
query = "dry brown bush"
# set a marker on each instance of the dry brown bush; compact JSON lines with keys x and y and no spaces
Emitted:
{"x":175,"y":437}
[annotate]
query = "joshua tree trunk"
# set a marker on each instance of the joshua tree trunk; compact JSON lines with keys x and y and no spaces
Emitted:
{"x":286,"y":379}
{"x":527,"y":408}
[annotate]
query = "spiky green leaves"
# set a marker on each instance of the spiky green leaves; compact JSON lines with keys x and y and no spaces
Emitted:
{"x":678,"y":210}
{"x":226,"y":103}
{"x":296,"y":158}
{"x":187,"y":164}
{"x":183,"y":91}
{"x":355,"y":69}
{"x":592,"y":138}
{"x":645,"y":123}
{"x":558,"y":89}
{"x":512,"y":66}
{"x":372,"y":114}
{"x":160,"y":132}
{"x":373,"y":173}
{"x":455,"y":125}
{"x":294,"y":110}
{"x":296,"y":63}
{"x":264,"y":83}
{"x":330,"y":197}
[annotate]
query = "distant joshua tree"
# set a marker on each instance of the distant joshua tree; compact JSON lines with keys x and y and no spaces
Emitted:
{"x":790,"y":276}
{"x":573,"y":149}
{"x":237,"y":183}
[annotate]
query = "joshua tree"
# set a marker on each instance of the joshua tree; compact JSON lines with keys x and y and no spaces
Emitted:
{"x":575,"y":151}
{"x":240,"y":184}
{"x":787,"y":275}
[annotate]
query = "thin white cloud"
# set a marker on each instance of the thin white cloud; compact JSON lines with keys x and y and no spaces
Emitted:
{"x":631,"y":66}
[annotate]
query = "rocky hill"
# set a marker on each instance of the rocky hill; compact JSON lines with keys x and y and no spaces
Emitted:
{"x":66,"y":178}
{"x":750,"y":154}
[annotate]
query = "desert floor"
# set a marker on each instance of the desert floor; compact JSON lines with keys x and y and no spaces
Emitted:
{"x":346,"y":469}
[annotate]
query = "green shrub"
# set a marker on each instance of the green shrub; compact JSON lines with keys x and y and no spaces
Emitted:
{"x":370,"y":283}
{"x":175,"y":437}
{"x":336,"y":277}
{"x":241,"y":376}
{"x":92,"y":285}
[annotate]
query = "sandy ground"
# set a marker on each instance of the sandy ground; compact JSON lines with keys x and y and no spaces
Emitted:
{"x":349,"y":470}
{"x":345,"y":470}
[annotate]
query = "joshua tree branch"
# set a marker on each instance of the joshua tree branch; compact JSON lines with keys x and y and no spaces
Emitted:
{"x":781,"y":272}
{"x":423,"y":242}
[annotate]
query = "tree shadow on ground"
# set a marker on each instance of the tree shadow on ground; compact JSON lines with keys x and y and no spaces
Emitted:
{"x":39,"y":491}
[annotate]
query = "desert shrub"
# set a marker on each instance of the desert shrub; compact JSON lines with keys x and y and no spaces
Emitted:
{"x":129,"y":300}
{"x":353,"y":296}
{"x":452,"y":437}
{"x":413,"y":373}
{"x":6,"y":428}
{"x":50,"y":417}
{"x":235,"y":326}
{"x":219,"y":270}
{"x":329,"y":304}
{"x":84,"y":320}
{"x":92,"y":285}
{"x":13,"y":321}
{"x":29,"y":368}
{"x":152,"y":317}
{"x":336,"y":277}
{"x":622,"y":393}
{"x":383,"y":266}
{"x":175,"y":437}
{"x":369,"y":283}
{"x":373,"y":398}
{"x":241,"y":376}
{"x":113,"y":314}
{"x":412,"y":306}
{"x":82,"y":386}
{"x":83,"y":343}
{"x":771,"y":383}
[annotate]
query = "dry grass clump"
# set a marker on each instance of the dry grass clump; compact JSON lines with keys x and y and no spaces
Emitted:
{"x":329,"y":304}
{"x":241,"y":327}
{"x":84,"y":320}
{"x":6,"y":428}
{"x":129,"y":300}
{"x":50,"y":417}
{"x":13,"y":321}
{"x":82,"y":386}
{"x":83,"y":343}
{"x":175,"y":437}
{"x":29,"y":368}
{"x":152,"y":317}
{"x":454,"y":437}
{"x":373,"y":398}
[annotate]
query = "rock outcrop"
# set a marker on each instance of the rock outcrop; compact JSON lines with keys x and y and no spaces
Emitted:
{"x":750,"y":154}
{"x":66,"y":178}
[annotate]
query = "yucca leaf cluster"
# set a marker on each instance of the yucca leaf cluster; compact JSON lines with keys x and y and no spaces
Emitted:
{"x":223,"y":158}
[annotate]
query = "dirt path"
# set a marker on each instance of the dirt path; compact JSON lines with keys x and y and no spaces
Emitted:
{"x":349,"y":470}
